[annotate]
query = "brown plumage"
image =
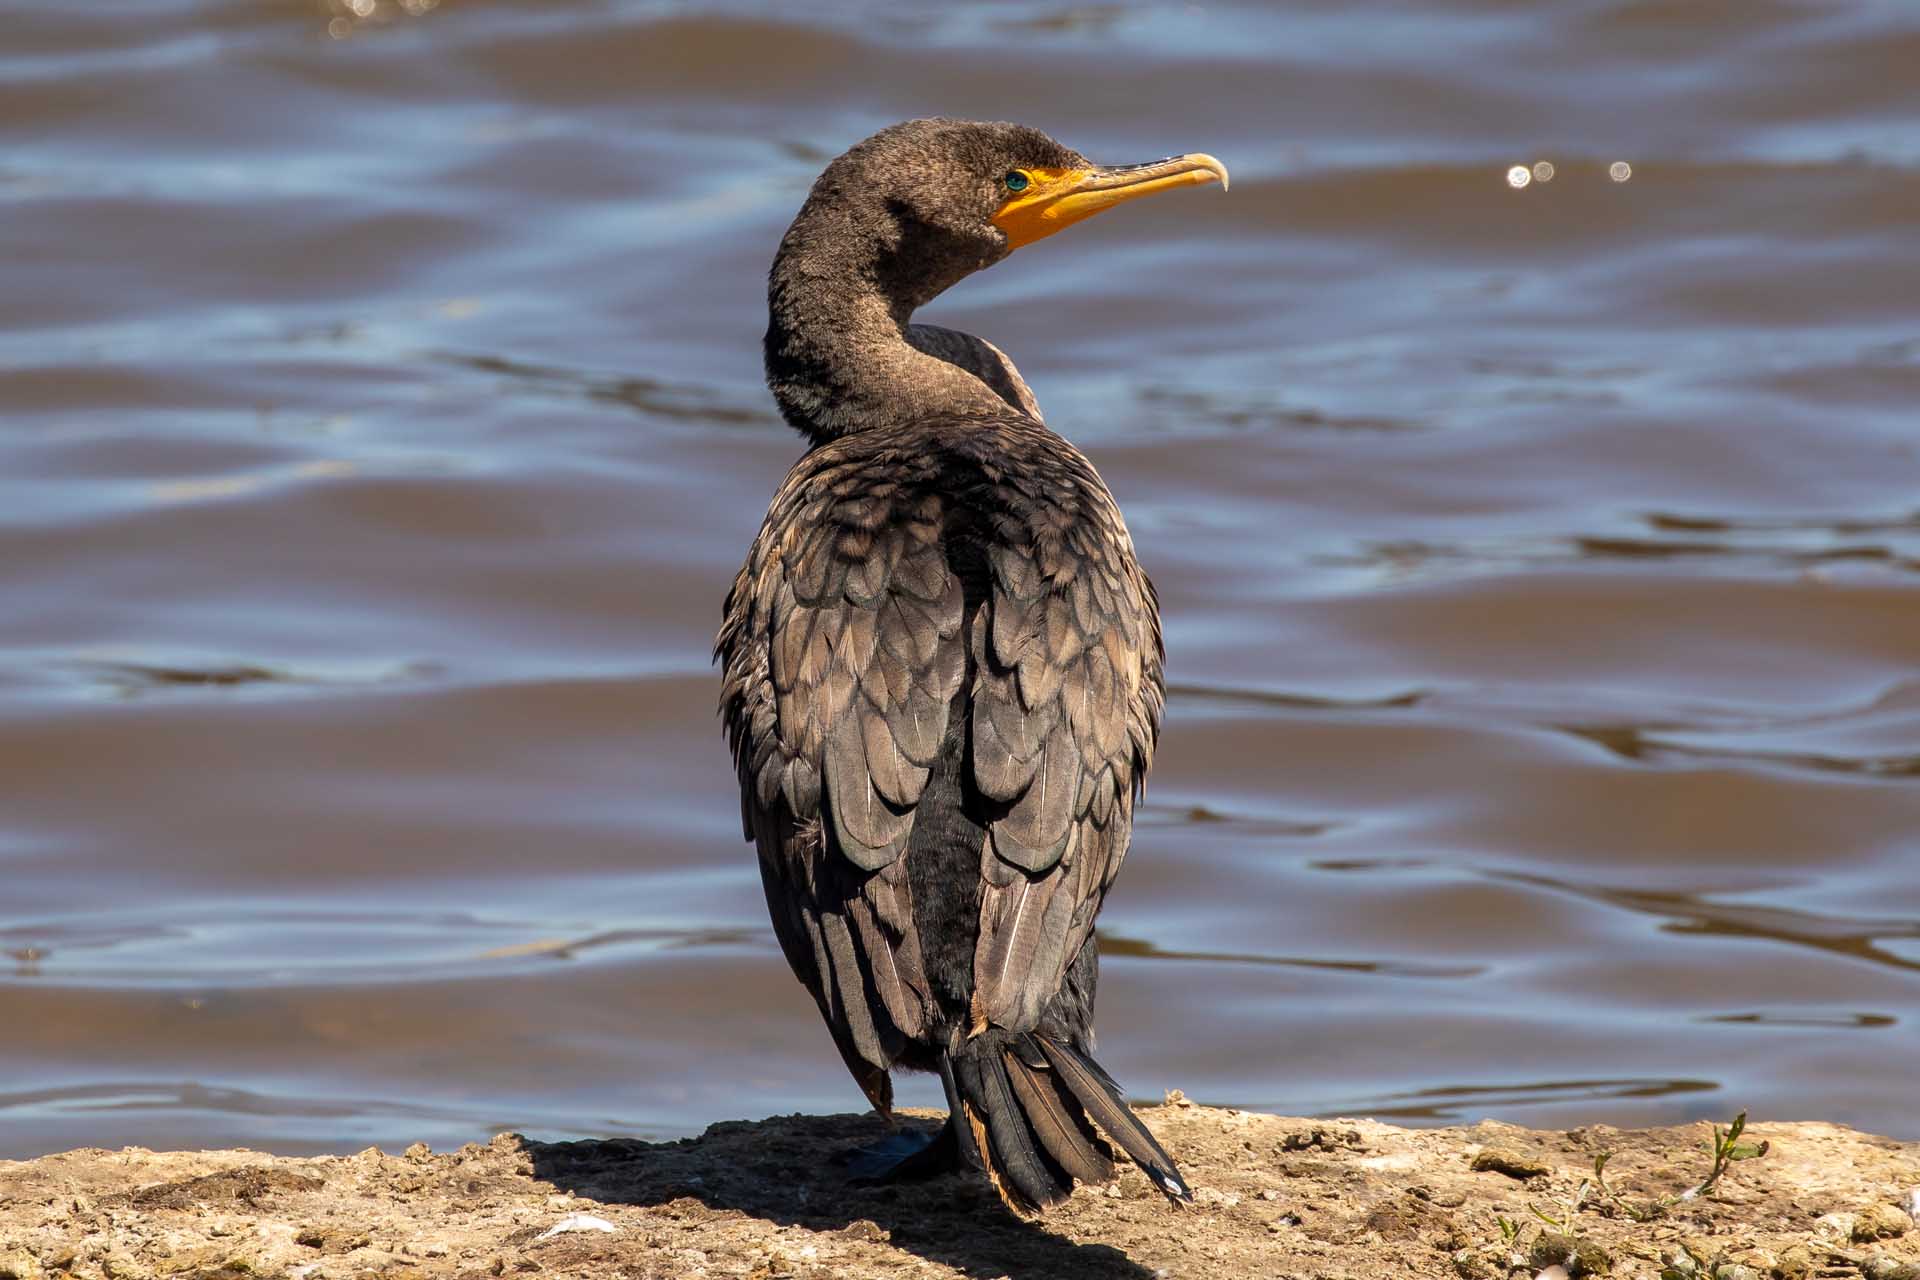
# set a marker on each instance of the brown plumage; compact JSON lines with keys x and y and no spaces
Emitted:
{"x":942,"y":662}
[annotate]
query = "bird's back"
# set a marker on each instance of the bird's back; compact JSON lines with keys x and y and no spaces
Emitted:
{"x":943,"y":689}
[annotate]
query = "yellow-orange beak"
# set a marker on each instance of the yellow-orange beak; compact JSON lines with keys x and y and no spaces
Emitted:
{"x":1057,"y":198}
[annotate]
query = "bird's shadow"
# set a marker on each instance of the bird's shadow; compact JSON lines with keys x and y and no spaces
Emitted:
{"x":791,"y":1170}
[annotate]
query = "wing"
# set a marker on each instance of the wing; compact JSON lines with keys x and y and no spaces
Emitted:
{"x":842,"y":652}
{"x":848,"y":634}
{"x":1065,"y":707}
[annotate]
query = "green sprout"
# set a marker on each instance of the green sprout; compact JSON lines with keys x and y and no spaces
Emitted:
{"x":1725,"y":1148}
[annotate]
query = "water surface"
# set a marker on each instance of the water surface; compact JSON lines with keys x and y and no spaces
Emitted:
{"x":1541,"y":565}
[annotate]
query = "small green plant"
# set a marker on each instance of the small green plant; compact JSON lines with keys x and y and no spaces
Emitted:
{"x":1645,"y":1212}
{"x":1509,"y":1229}
{"x":1725,"y":1148}
{"x":1569,"y":1209}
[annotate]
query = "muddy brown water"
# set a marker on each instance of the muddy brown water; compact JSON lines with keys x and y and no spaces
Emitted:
{"x":380,"y":423}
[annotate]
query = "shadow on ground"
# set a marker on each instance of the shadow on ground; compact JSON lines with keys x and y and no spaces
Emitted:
{"x":792,"y":1173}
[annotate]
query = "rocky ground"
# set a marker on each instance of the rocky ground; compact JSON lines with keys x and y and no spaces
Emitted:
{"x":1277,"y":1198}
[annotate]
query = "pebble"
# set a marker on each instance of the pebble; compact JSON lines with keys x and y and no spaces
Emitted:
{"x":1511,"y":1163}
{"x":1834,"y":1225}
{"x":1880,"y":1222}
{"x":1794,"y":1264}
{"x":1579,"y":1255}
{"x":1468,"y":1264}
{"x":1701,"y":1249}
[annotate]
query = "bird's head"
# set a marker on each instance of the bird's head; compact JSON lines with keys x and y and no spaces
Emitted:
{"x":937,"y":200}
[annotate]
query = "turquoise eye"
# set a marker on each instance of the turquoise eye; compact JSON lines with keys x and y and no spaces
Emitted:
{"x":1016,"y":181}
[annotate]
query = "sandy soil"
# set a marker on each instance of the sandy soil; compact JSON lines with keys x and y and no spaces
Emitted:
{"x":1277,"y":1198}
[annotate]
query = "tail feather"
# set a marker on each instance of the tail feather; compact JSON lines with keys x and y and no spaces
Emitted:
{"x":1060,"y":1123}
{"x":1095,"y":1090}
{"x":968,"y":1136}
{"x":1021,"y":1173}
{"x":1032,"y":1110}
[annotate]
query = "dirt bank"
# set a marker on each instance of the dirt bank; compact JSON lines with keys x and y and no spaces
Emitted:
{"x":1277,"y":1197}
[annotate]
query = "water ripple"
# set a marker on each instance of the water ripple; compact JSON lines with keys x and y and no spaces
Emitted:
{"x":676,"y":402}
{"x":1697,"y":914}
{"x":385,"y":419}
{"x":1136,"y":948}
{"x":1460,"y":1102}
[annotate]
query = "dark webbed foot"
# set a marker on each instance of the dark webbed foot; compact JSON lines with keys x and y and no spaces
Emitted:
{"x":905,"y":1155}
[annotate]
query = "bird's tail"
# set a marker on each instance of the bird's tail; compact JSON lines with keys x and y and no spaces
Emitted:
{"x":1030,"y":1111}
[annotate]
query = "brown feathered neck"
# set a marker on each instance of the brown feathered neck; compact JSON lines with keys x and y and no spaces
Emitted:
{"x":887,"y":227}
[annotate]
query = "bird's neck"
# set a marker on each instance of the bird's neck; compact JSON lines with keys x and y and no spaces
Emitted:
{"x":844,"y":357}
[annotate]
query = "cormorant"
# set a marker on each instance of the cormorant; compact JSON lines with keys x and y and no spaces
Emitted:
{"x":942,"y":663}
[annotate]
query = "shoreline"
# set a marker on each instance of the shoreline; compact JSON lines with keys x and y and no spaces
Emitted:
{"x":1275,"y":1196}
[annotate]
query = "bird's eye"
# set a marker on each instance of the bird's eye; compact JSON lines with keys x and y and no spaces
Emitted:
{"x":1015,"y":180}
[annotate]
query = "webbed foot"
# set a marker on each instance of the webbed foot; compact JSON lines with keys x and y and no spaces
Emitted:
{"x":905,"y":1155}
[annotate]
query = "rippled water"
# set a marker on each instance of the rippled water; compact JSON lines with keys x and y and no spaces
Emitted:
{"x":382,"y":423}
